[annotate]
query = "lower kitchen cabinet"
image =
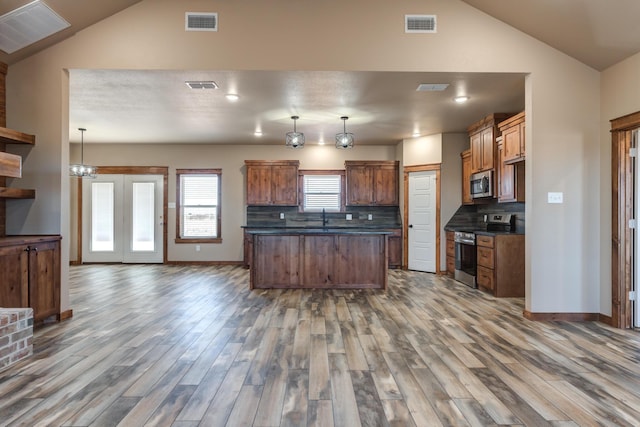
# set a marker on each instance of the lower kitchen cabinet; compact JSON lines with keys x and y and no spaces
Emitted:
{"x":31,"y":274}
{"x":500,"y":264}
{"x":451,"y":254}
{"x":395,"y":249}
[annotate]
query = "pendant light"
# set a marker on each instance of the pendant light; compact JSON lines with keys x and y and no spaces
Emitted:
{"x":82,"y":170}
{"x":295,"y":139}
{"x":344,"y":140}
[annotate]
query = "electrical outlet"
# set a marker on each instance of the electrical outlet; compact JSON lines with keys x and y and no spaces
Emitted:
{"x":197,"y":248}
{"x":554,"y":197}
{"x":281,"y":215}
{"x":349,"y":217}
{"x":370,"y":217}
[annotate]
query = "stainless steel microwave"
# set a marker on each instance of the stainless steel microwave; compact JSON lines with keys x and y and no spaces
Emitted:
{"x":482,"y":184}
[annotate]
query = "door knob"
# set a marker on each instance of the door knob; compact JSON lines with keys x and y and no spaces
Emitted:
{"x":410,"y":225}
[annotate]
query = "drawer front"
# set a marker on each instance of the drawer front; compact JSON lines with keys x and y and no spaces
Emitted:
{"x":485,"y":257}
{"x":486,"y":241}
{"x":484,"y":278}
{"x":451,"y":248}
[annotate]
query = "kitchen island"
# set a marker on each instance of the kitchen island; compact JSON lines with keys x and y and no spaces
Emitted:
{"x":319,"y":258}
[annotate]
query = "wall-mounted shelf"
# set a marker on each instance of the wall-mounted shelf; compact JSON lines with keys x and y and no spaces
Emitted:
{"x":10,"y":136}
{"x":16,"y":193}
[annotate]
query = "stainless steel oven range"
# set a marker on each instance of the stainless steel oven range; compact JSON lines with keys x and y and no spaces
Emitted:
{"x":465,"y":258}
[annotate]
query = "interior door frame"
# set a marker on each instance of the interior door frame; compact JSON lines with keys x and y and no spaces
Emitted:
{"x":129,"y":170}
{"x":406,"y":170}
{"x":621,"y":213}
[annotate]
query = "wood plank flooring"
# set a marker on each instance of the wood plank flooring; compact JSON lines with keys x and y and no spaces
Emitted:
{"x":153,"y":345}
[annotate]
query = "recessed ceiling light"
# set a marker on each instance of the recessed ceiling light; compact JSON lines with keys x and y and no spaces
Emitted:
{"x":197,"y":84}
{"x":415,"y":134}
{"x":258,"y":133}
{"x":432,"y":87}
{"x":232,"y":97}
{"x":461,"y":99}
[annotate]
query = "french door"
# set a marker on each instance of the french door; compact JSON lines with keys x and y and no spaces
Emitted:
{"x":422,"y":221}
{"x":122,"y":219}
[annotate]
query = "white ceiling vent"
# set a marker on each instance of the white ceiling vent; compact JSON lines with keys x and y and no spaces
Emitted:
{"x":420,"y":24}
{"x":193,"y":84}
{"x":27,"y":25}
{"x":198,"y":21}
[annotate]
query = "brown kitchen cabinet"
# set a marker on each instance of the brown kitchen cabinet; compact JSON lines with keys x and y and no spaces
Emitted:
{"x":372,"y":183}
{"x":272,"y":182}
{"x":395,"y":248}
{"x":482,"y":135}
{"x":466,"y":177}
{"x":31,"y":274}
{"x":451,"y":253}
{"x":512,"y":131}
{"x":500,"y":264}
{"x":510,"y":178}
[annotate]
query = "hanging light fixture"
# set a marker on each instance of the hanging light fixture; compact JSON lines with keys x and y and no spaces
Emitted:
{"x":344,"y":140}
{"x":295,"y":139}
{"x":82,"y":170}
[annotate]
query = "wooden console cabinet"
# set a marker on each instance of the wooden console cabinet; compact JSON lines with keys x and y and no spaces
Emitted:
{"x":30,"y":267}
{"x":500,"y":264}
{"x":272,"y":183}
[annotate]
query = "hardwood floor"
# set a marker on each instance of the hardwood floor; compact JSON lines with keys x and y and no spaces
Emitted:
{"x":192,"y":346}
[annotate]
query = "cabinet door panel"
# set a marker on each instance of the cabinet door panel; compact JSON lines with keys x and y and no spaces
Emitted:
{"x":44,"y":277}
{"x":359,"y":185}
{"x":318,"y":261}
{"x":476,"y":152}
{"x":259,"y":185}
{"x":488,"y":145}
{"x":485,"y":257}
{"x":511,"y":140}
{"x":386,"y":186}
{"x":284,"y":190}
{"x":466,"y":178}
{"x":14,"y":288}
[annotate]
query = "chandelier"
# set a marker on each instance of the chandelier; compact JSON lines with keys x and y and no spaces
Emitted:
{"x":295,"y":139}
{"x":81,"y":170}
{"x":344,"y":140}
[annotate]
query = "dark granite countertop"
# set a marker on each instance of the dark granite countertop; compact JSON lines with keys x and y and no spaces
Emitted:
{"x":316,"y":230}
{"x":496,"y":233}
{"x":319,"y":227}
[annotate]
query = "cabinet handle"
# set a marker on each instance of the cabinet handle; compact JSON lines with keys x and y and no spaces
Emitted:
{"x":27,"y":249}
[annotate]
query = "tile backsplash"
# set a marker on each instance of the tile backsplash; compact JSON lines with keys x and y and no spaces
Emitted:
{"x":471,"y":216}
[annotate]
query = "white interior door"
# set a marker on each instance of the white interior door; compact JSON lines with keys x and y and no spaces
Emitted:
{"x":422,"y":221}
{"x":122,"y":219}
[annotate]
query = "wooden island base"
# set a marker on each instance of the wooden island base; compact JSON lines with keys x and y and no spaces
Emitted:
{"x":325,"y":259}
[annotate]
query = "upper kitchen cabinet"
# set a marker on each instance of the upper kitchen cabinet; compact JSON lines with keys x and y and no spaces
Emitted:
{"x":272,"y":182}
{"x":513,"y":138}
{"x":466,"y":177}
{"x":372,"y":183}
{"x":482,"y":136}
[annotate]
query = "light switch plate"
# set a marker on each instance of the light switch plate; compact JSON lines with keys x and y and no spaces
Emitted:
{"x":554,"y":197}
{"x":171,"y":205}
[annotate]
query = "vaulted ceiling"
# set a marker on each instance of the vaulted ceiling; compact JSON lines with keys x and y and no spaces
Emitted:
{"x":592,"y":31}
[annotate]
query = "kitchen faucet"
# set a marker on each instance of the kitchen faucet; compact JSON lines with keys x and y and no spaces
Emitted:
{"x":325,"y":221}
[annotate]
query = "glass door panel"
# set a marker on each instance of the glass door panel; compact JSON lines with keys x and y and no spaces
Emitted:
{"x":143,"y":217}
{"x":102,"y":215}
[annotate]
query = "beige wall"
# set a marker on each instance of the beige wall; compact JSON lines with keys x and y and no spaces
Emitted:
{"x":620,"y":96}
{"x":231,"y":160}
{"x":562,"y":105}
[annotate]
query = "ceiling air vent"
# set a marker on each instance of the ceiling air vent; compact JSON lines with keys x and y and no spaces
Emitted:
{"x":198,"y":84}
{"x":27,"y":25}
{"x":420,"y":24}
{"x":198,"y":21}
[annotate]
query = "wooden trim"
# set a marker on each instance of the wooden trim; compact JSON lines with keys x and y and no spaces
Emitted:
{"x":65,"y":315}
{"x":79,"y":223}
{"x":405,"y":214}
{"x":628,"y":122}
{"x":343,"y":184}
{"x":605,"y":319}
{"x":561,"y":317}
{"x":272,"y":162}
{"x":204,"y":262}
{"x":180,"y":172}
{"x":621,"y":213}
{"x":132,"y":170}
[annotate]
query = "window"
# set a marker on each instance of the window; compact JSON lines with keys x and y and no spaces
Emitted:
{"x":322,"y":190}
{"x":198,"y":205}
